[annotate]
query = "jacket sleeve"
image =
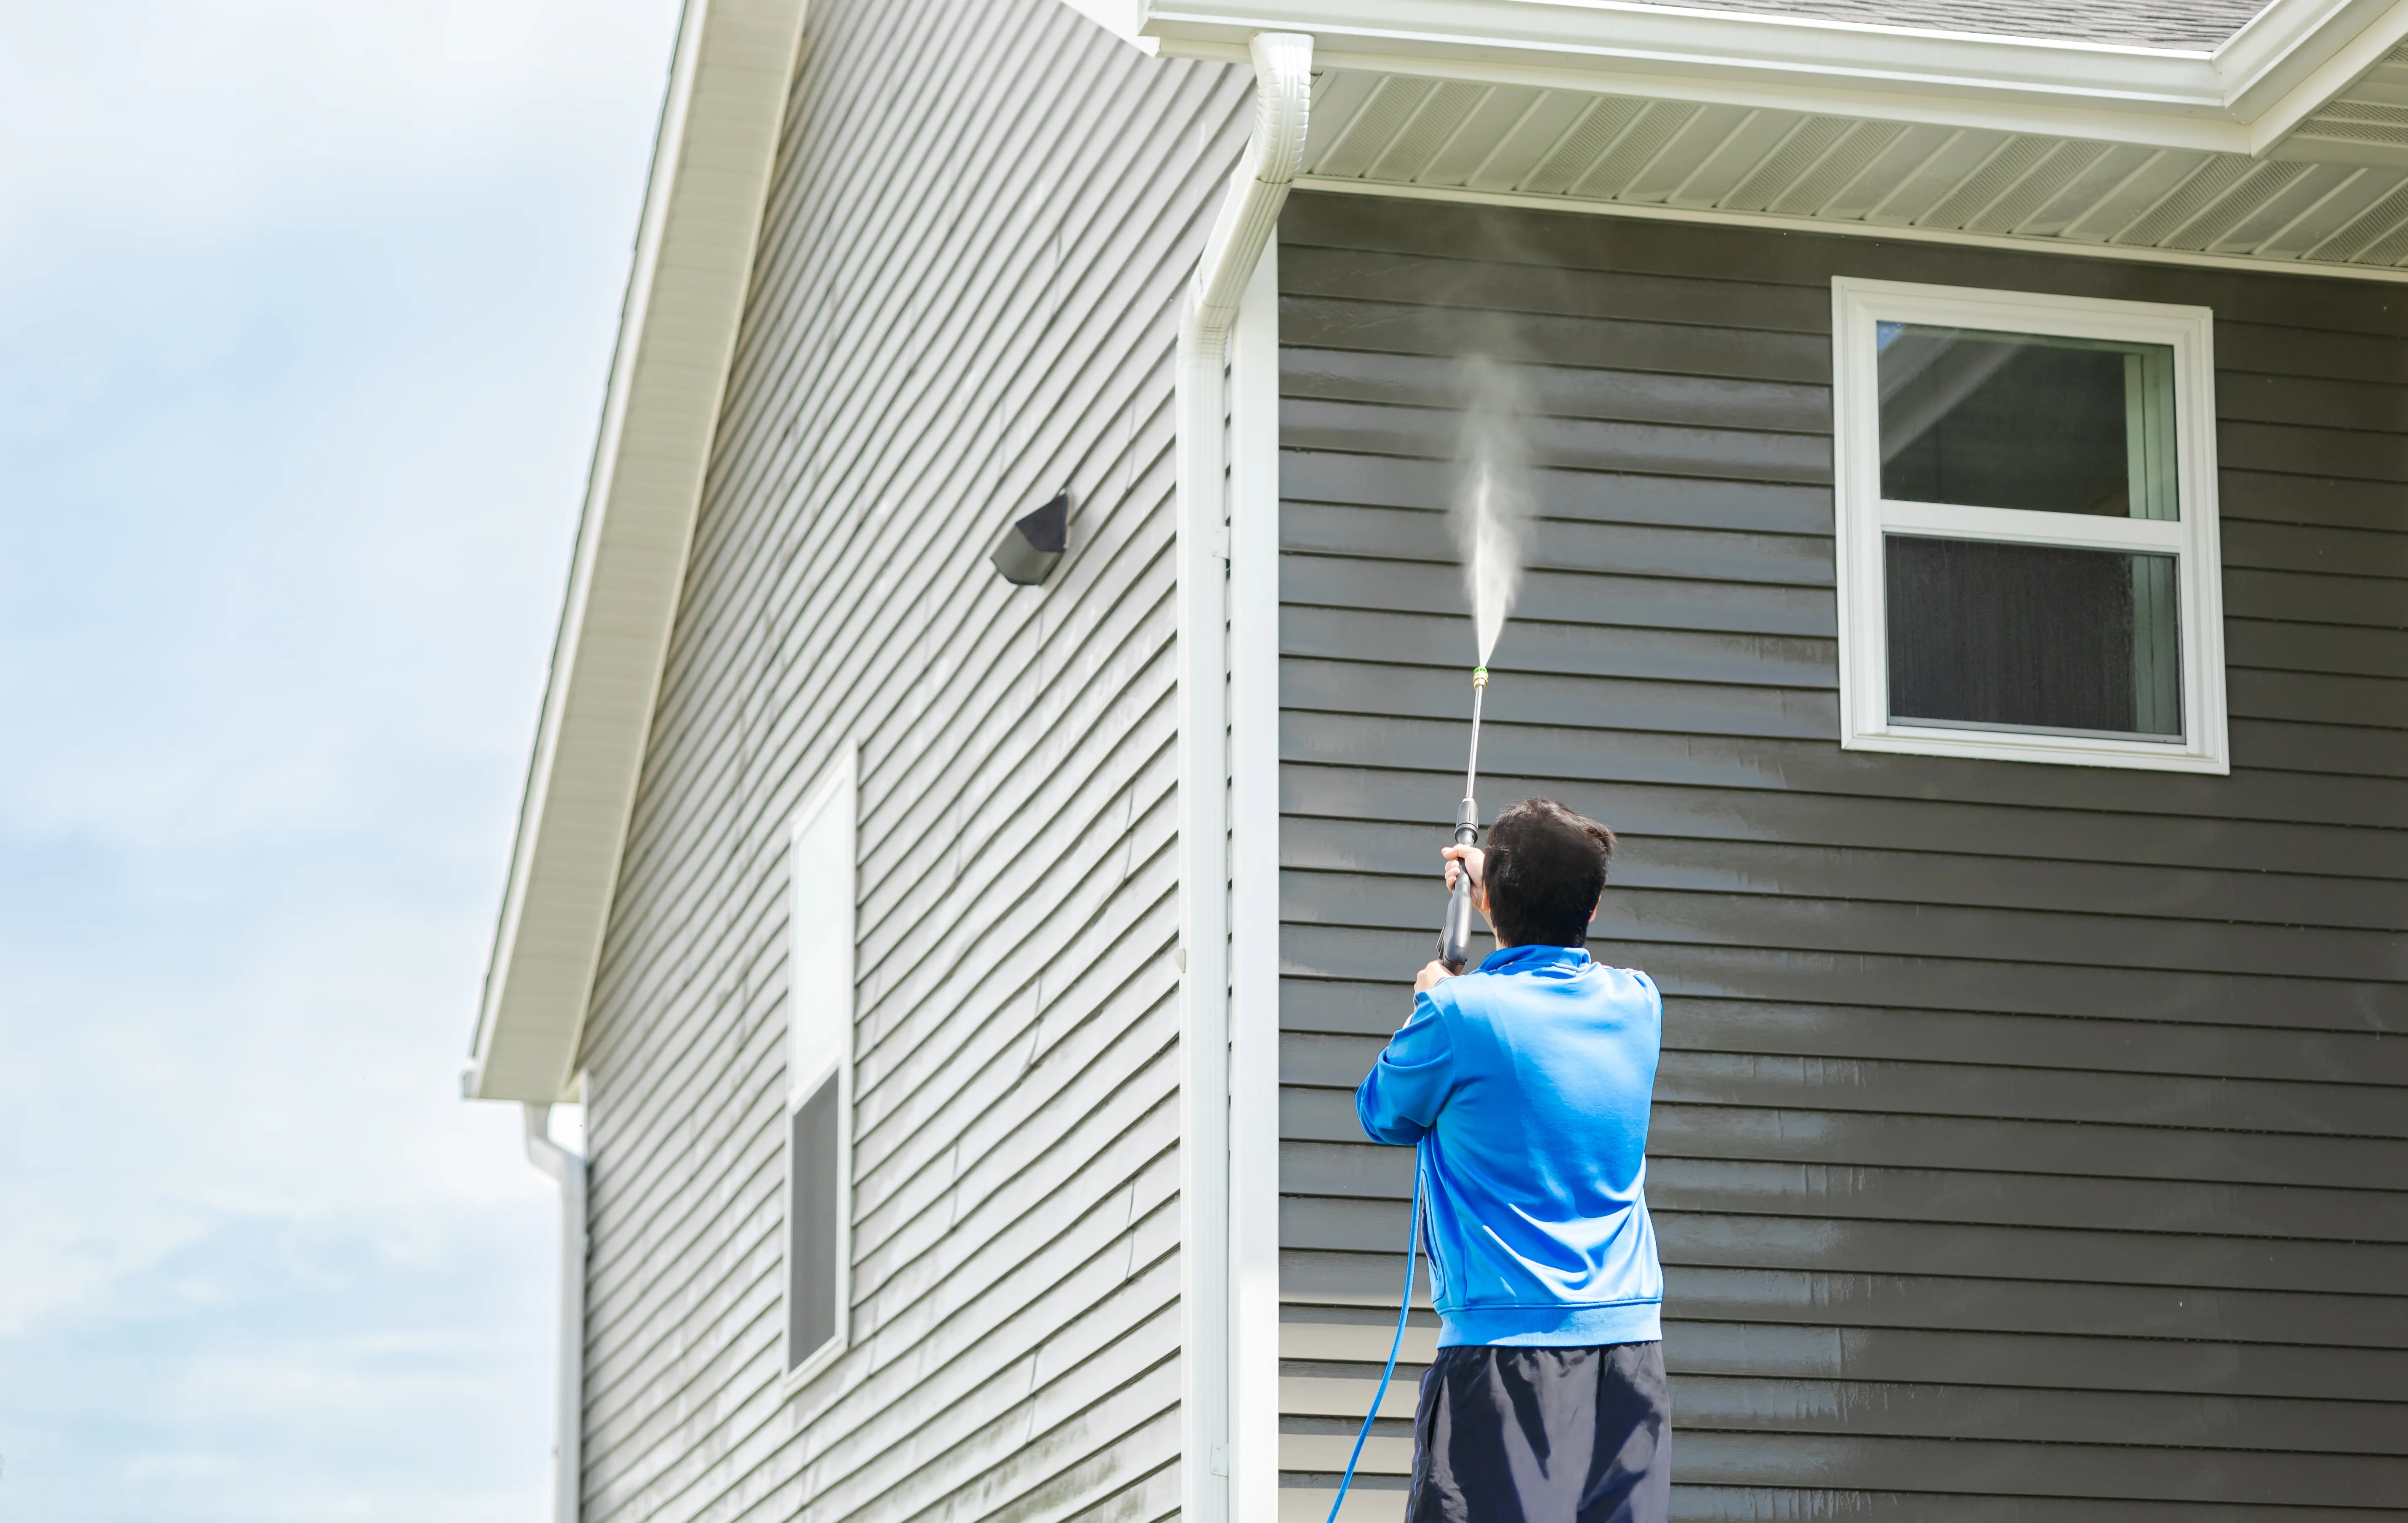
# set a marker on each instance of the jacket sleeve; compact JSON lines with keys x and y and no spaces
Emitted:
{"x":1400,"y":1099}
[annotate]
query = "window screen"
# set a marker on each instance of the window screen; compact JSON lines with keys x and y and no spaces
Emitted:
{"x":2080,"y":641}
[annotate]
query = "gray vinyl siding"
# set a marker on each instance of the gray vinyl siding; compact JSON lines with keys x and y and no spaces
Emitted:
{"x":2031,"y":1141}
{"x":965,"y":299}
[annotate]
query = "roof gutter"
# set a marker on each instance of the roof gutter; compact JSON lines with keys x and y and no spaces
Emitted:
{"x":1250,"y":209}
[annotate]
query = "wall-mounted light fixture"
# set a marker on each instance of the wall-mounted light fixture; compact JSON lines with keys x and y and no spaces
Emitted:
{"x":1032,"y":547}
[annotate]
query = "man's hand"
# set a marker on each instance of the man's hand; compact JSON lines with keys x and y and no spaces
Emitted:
{"x":1427,"y":979}
{"x":1460,"y":859}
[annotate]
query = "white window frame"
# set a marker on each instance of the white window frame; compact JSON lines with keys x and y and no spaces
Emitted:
{"x":823,"y":901}
{"x":1862,"y":516}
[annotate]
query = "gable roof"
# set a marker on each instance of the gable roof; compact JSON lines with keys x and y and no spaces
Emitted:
{"x":2198,"y":25}
{"x":694,"y":263}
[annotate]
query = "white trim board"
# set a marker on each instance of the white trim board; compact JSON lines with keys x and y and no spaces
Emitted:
{"x":1863,"y":519}
{"x":1254,"y":895}
{"x":1773,"y":223}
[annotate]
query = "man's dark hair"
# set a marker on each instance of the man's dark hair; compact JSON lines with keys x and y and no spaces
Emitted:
{"x":1545,"y":871}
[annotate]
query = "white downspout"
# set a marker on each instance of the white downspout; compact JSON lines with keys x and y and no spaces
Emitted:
{"x":1249,"y":211}
{"x":567,"y":1169}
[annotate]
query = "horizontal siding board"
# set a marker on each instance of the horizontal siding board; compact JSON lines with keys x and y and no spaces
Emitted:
{"x":1403,"y":853}
{"x":1574,"y":443}
{"x":1555,"y":494}
{"x":1715,"y":969}
{"x":2117,"y":1471}
{"x":1663,"y":656}
{"x":1695,"y":1234}
{"x":1641,"y":601}
{"x":2027,"y":1360}
{"x":2071,"y":1195}
{"x":2312,"y":500}
{"x":1342,"y":794}
{"x":1325,"y":1153}
{"x":1351,"y":320}
{"x":1544,"y":291}
{"x":2031,"y":1143}
{"x":2308,"y":1322}
{"x":1559,"y":391}
{"x":1625,"y":549}
{"x":1529,"y":757}
{"x":1965,"y":1090}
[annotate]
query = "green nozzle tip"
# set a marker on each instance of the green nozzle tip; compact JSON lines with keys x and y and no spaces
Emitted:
{"x":1479,"y":676}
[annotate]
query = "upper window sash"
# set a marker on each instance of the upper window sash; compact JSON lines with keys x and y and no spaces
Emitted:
{"x":2163,"y":503}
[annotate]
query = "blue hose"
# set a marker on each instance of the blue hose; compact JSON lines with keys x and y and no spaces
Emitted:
{"x":1413,"y":1250}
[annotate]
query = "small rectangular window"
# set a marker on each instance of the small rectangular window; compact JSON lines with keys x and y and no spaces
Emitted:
{"x":2026,"y":512}
{"x":819,"y":1072}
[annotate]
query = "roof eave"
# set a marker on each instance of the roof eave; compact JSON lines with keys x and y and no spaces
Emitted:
{"x":2241,"y":97}
{"x":728,"y":85}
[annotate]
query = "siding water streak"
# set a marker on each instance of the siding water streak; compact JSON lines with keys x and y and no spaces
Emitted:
{"x":965,"y":299}
{"x":2031,"y":1142}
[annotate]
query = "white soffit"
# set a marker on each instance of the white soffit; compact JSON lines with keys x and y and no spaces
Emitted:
{"x":718,"y":141}
{"x":2334,"y":198}
{"x":2287,"y":143}
{"x":2240,"y":97}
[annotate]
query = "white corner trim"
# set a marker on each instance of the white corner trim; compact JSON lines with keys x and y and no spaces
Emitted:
{"x":1248,"y":213}
{"x":718,"y":141}
{"x":2165,"y":96}
{"x":1254,"y":893}
{"x":1775,"y":222}
{"x":1861,"y":516}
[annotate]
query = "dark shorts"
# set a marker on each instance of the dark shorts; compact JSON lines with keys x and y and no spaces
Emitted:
{"x":1543,"y":1435}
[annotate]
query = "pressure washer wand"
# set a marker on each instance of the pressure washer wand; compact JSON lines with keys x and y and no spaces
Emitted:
{"x":1455,"y":936}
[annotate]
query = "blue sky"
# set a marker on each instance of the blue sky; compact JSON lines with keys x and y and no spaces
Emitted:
{"x":304,"y":311}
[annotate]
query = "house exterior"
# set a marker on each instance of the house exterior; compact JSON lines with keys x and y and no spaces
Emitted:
{"x":1967,"y":446}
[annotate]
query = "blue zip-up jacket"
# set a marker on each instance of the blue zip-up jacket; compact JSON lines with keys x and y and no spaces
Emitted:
{"x":1526,"y":1082}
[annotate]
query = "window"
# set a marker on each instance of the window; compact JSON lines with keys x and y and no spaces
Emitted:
{"x":2027,"y":564}
{"x":819,"y":1074}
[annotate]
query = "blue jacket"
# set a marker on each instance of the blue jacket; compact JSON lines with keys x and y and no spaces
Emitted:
{"x":1526,"y":1082}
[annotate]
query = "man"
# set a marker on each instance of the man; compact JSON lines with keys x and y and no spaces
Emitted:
{"x":1525,"y":1083}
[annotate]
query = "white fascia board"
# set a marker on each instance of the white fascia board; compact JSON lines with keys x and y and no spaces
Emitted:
{"x":735,"y":64}
{"x":2164,"y":98}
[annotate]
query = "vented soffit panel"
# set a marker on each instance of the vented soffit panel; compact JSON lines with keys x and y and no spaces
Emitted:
{"x":2334,"y":199}
{"x":2241,"y":94}
{"x":2285,"y":143}
{"x":728,"y":86}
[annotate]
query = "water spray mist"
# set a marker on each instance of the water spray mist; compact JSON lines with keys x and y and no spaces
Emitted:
{"x":1491,"y":523}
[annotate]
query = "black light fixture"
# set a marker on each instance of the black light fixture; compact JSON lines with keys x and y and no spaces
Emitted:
{"x":1033,"y":547}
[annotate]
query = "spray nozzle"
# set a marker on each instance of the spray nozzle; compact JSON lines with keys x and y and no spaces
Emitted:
{"x":1479,"y":676}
